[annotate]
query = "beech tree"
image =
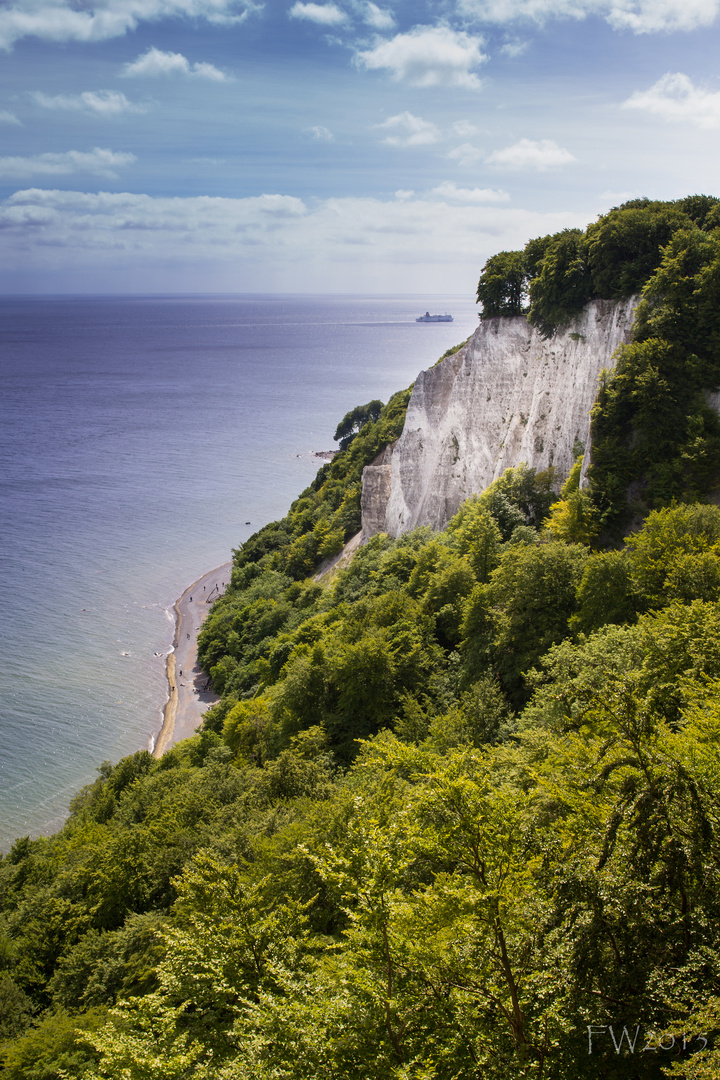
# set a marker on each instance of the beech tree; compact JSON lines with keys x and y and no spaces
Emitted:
{"x":356,"y":419}
{"x":502,"y":288}
{"x":564,"y":284}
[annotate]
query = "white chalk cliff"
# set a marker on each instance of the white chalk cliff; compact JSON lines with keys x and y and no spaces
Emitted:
{"x":508,"y":396}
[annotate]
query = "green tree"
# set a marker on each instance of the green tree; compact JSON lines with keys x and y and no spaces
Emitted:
{"x":605,"y":593}
{"x":356,"y":419}
{"x":57,"y":1048}
{"x":574,"y":518}
{"x":625,"y":245}
{"x":676,"y":555}
{"x":523,"y":610}
{"x":679,"y":301}
{"x":521,"y":496}
{"x":502,"y":288}
{"x":652,"y":426}
{"x":564,"y":284}
{"x":474,"y":533}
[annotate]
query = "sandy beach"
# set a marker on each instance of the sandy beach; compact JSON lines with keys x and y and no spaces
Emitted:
{"x":188,"y":694}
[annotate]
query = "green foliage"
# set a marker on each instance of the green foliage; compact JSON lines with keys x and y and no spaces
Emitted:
{"x":356,"y":419}
{"x":534,"y":253}
{"x":474,"y":533}
{"x":55,"y":1049}
{"x":502,"y":289}
{"x":676,"y":556}
{"x":523,"y":610}
{"x":521,"y":496}
{"x":574,"y":518}
{"x":505,"y":279}
{"x":15,"y":1008}
{"x":655,"y":437}
{"x":564,"y":284}
{"x":605,"y":593}
{"x":524,"y":842}
{"x":625,"y":245}
{"x":668,"y":250}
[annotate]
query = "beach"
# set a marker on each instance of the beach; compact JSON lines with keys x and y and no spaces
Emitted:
{"x":189,"y":694}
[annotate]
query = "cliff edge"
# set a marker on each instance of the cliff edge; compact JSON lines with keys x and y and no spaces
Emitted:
{"x":508,"y":396}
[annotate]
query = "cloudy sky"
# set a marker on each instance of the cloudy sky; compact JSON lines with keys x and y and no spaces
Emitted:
{"x":344,"y":146}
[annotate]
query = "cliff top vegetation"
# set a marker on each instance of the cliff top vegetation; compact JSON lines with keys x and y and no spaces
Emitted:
{"x":655,"y":432}
{"x":555,"y":276}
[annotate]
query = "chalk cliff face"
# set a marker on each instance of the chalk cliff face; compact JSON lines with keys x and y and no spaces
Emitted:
{"x":506,"y":397}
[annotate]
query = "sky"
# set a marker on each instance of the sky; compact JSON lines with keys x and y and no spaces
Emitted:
{"x":339,"y":146}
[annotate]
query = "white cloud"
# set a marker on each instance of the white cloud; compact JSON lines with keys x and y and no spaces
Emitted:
{"x":203,"y":70}
{"x":9,"y":118}
{"x":514,"y":48}
{"x":98,"y":162}
{"x":409,"y":130}
{"x":402,"y":243}
{"x":526,"y":155}
{"x":640,"y":16}
{"x":464,"y":129}
{"x":155,"y":63}
{"x":378,"y":18}
{"x":674,"y":97}
{"x":466,"y":154}
{"x":323,"y":14}
{"x":653,"y":16}
{"x":321,"y":134}
{"x":103,"y":102}
{"x":448,"y":190}
{"x":98,"y":20}
{"x":428,"y":56}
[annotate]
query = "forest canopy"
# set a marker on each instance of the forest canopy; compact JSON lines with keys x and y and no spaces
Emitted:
{"x":455,"y":816}
{"x":554,"y":276}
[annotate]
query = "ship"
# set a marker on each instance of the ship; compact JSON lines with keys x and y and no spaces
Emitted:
{"x":427,"y":317}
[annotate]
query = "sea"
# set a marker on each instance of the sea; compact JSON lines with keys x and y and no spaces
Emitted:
{"x":143,"y":438}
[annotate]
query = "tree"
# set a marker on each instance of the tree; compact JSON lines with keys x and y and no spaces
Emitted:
{"x":605,"y":594}
{"x":521,"y":496}
{"x":502,"y":288}
{"x":563,"y":285}
{"x":353,"y":421}
{"x":474,"y":533}
{"x":652,"y":425}
{"x":625,"y":246}
{"x":574,"y":518}
{"x":680,"y":300}
{"x":523,"y":610}
{"x":676,"y":555}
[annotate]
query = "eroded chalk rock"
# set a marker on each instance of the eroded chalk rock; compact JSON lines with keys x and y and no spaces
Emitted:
{"x":508,"y":396}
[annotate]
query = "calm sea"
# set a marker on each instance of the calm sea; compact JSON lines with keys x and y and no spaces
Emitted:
{"x":141,"y":440}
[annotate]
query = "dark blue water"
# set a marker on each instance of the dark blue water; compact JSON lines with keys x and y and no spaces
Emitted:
{"x":138,"y":437}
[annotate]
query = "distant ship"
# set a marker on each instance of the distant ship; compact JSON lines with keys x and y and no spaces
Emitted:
{"x":427,"y":317}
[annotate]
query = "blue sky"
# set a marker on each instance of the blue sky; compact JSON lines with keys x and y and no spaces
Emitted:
{"x":344,"y":146}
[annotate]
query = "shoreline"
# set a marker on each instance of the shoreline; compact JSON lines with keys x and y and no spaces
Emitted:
{"x":188,"y":694}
